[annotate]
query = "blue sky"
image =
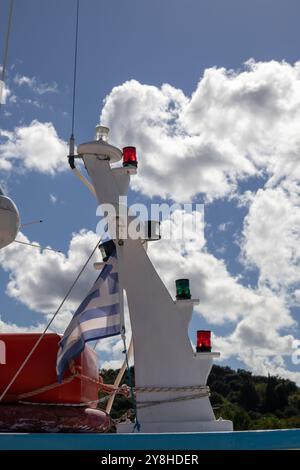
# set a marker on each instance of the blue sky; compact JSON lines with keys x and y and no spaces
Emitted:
{"x":157,"y":42}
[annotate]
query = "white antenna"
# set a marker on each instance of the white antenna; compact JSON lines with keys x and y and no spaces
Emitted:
{"x":37,"y":246}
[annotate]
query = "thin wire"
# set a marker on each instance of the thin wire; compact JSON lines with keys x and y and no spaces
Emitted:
{"x":6,"y":46}
{"x":31,"y":223}
{"x":48,"y":325}
{"x":75,"y":70}
{"x":37,"y":246}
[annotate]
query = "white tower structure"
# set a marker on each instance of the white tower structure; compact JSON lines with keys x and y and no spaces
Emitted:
{"x":170,"y":376}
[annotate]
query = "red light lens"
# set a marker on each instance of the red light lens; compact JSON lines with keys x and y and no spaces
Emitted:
{"x":129,"y":156}
{"x":203,"y":341}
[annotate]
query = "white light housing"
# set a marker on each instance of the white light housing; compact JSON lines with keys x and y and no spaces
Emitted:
{"x":102,"y":133}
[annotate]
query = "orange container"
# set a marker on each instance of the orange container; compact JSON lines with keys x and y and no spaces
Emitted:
{"x":40,"y":371}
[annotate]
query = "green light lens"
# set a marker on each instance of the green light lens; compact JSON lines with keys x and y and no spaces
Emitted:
{"x":182,"y":289}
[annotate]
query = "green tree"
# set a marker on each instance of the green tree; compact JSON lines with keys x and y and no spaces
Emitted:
{"x":270,"y":399}
{"x":281,"y":395}
{"x":248,"y":396}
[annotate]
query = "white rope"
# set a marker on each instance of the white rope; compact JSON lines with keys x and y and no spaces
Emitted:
{"x":47,"y":326}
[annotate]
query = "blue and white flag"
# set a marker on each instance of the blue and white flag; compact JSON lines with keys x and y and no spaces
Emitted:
{"x":98,"y":316}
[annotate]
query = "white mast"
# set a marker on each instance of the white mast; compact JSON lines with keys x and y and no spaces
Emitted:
{"x":166,"y":367}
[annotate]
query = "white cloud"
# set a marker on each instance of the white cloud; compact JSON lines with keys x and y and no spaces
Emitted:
{"x":224,"y":226}
{"x":8,"y":327}
{"x":35,"y":84}
{"x":53,"y":199}
{"x":40,"y":278}
{"x":149,"y":118}
{"x":272,"y":236}
{"x":235,"y":125}
{"x":36,"y":147}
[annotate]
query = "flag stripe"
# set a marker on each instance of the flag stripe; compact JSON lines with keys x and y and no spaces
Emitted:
{"x":86,"y":323}
{"x":90,"y":330}
{"x":90,"y":313}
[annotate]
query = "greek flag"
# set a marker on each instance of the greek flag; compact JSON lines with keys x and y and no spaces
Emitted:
{"x":98,"y":316}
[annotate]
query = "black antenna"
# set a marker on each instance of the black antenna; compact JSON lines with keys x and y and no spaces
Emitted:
{"x":72,"y":138}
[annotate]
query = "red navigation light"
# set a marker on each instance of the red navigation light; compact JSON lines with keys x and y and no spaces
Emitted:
{"x":129,"y":156}
{"x":203,"y":341}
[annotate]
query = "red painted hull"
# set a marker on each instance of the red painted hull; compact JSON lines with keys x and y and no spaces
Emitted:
{"x":40,"y":371}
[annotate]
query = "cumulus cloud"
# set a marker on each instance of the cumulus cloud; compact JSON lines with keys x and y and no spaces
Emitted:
{"x":36,"y":147}
{"x":35,"y":84}
{"x":8,"y":327}
{"x":234,"y":126}
{"x":173,"y":162}
{"x":271,"y":236}
{"x":41,"y":278}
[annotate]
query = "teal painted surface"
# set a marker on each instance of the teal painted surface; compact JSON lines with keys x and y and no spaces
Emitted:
{"x":277,"y":439}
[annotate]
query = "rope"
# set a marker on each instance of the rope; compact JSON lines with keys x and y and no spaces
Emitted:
{"x":47,"y":326}
{"x":200,"y":388}
{"x":52,"y":386}
{"x":44,"y":389}
{"x":137,"y":425}
{"x":204,"y":392}
{"x":6,"y":48}
{"x":75,"y":405}
{"x":146,"y":404}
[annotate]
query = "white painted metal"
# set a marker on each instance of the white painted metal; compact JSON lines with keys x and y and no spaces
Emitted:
{"x":122,"y":177}
{"x":102,"y":149}
{"x":163,"y":354}
{"x":9,"y":221}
